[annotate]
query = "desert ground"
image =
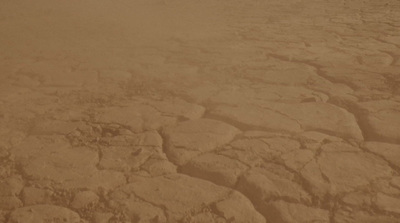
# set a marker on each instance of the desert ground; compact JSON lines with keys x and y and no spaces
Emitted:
{"x":211,"y":111}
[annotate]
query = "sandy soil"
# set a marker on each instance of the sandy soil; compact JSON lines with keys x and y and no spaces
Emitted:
{"x":155,"y":111}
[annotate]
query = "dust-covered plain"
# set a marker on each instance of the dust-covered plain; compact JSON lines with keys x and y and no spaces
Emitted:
{"x":184,"y":111}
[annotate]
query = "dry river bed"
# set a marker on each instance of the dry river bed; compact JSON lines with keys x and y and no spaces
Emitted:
{"x":214,"y":111}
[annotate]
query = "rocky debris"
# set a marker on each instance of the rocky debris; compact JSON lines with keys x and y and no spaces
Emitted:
{"x":381,"y":120}
{"x":335,"y":172}
{"x":54,"y":159}
{"x":43,"y":213}
{"x":103,"y":180}
{"x":10,"y":202}
{"x":267,"y":149}
{"x":32,"y":196}
{"x":136,"y":117}
{"x":396,"y":181}
{"x":294,"y":118}
{"x":178,"y":197}
{"x":277,"y":71}
{"x":54,"y":73}
{"x":253,"y":117}
{"x":149,"y":115}
{"x":178,"y":108}
{"x":269,"y":183}
{"x":297,"y":159}
{"x":360,"y":78}
{"x":83,"y":199}
{"x":123,"y":158}
{"x":313,"y":140}
{"x":343,"y":216}
{"x":144,"y":212}
{"x":114,"y":135}
{"x":387,"y":203}
{"x":284,"y":212}
{"x":49,"y":127}
{"x":264,"y":93}
{"x":231,"y":211}
{"x":57,"y":157}
{"x":99,"y":217}
{"x":263,"y":149}
{"x":390,"y":152}
{"x":10,"y":188}
{"x":118,"y":76}
{"x":358,"y":199}
{"x":242,"y":111}
{"x":215,"y":168}
{"x":2,"y":216}
{"x":191,"y":138}
{"x":140,"y":153}
{"x":331,"y":119}
{"x":127,"y":159}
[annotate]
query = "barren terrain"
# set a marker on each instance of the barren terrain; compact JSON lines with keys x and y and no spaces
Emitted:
{"x":212,"y":111}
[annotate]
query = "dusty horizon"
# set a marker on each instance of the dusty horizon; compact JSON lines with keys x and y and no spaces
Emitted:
{"x":172,"y":111}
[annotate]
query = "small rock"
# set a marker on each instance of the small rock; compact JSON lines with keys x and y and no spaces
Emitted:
{"x":2,"y":216}
{"x":32,"y":195}
{"x":337,"y":172}
{"x":342,"y":216}
{"x":261,"y":184}
{"x":11,"y":186}
{"x":243,"y":213}
{"x":391,"y":152}
{"x":10,"y":202}
{"x":43,"y":214}
{"x":179,"y":194}
{"x":357,"y":199}
{"x":387,"y":203}
{"x":312,"y":99}
{"x":283,"y":212}
{"x":215,"y":168}
{"x":297,"y":159}
{"x":382,"y":119}
{"x":102,"y":217}
{"x":49,"y":127}
{"x":83,"y":199}
{"x":193,"y":137}
{"x":144,"y":212}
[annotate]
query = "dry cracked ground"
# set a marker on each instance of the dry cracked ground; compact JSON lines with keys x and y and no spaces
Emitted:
{"x":187,"y":111}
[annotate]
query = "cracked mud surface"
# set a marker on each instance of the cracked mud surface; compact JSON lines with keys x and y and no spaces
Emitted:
{"x":200,"y":111}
